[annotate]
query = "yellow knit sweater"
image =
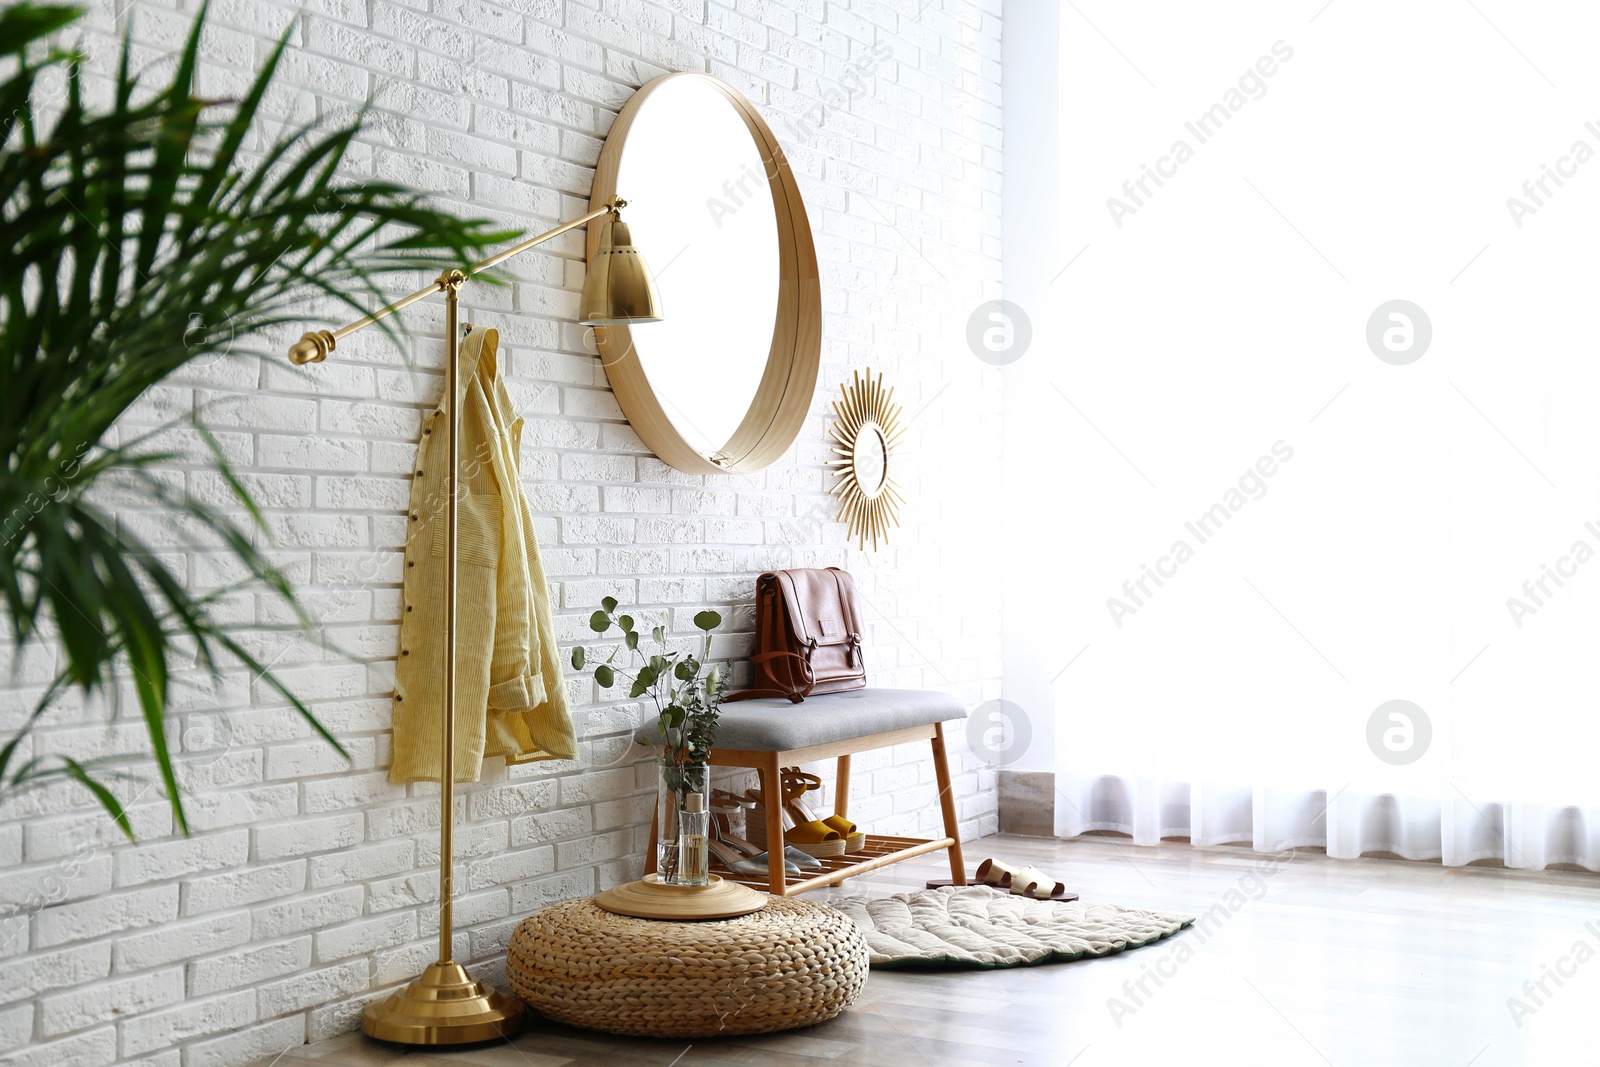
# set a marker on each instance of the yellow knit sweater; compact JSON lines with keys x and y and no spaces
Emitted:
{"x":510,"y":697}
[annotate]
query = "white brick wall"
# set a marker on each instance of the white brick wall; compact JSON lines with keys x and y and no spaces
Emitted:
{"x":308,"y":887}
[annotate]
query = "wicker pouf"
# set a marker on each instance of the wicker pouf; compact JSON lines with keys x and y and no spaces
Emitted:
{"x":793,"y":963}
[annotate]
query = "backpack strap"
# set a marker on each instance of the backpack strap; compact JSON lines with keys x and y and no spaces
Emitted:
{"x":769,"y":659}
{"x":847,"y":606}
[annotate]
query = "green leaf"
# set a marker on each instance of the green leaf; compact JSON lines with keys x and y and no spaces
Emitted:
{"x":631,"y":639}
{"x":273,"y":682}
{"x":609,"y":603}
{"x":626,"y":622}
{"x":577,"y":657}
{"x":707,"y":620}
{"x":684,"y":670}
{"x":24,"y":23}
{"x":599,"y":622}
{"x":673,"y":716}
{"x":659,"y":634}
{"x":107,"y":800}
{"x":643,"y":681}
{"x":605,"y":676}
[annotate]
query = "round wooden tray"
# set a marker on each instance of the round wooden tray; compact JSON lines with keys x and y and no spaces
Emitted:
{"x":650,"y":899}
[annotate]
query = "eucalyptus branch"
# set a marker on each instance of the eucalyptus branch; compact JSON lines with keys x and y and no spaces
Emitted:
{"x":684,"y":695}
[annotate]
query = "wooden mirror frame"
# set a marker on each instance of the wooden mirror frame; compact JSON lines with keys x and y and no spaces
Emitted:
{"x":783,"y":398}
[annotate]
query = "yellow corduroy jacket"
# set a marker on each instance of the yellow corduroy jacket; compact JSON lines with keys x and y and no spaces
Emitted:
{"x":510,"y":696}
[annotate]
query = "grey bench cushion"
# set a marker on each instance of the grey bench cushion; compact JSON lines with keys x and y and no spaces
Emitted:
{"x":775,"y":725}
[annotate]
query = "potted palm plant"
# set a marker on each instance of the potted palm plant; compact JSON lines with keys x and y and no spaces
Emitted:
{"x":131,"y":229}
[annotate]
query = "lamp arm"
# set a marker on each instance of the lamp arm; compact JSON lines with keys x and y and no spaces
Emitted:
{"x":314,"y":347}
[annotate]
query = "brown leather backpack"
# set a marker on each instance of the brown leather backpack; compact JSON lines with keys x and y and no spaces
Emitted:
{"x":808,"y":635}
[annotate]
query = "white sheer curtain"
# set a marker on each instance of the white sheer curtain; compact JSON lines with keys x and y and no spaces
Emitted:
{"x":1377,"y":531}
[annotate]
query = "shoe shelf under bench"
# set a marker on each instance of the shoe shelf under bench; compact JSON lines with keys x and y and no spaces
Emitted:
{"x":879,"y":850}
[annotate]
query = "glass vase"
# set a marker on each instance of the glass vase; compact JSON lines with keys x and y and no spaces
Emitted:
{"x":683,"y":812}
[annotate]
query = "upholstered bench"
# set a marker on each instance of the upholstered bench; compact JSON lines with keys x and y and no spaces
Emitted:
{"x":769,"y":734}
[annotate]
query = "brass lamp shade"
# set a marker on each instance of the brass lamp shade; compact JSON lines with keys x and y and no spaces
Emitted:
{"x":619,"y":290}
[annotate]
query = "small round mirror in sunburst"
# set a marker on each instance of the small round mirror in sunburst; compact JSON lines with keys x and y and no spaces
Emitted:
{"x":867,"y":431}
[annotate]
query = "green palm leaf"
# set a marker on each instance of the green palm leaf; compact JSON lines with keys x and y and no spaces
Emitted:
{"x":126,"y":229}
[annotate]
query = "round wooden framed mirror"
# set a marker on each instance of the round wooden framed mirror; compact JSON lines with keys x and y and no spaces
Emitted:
{"x":724,"y":381}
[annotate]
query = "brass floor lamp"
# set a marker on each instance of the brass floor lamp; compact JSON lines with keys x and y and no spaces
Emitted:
{"x":445,"y":1005}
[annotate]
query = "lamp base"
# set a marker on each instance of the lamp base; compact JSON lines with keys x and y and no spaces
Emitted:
{"x":444,"y":1006}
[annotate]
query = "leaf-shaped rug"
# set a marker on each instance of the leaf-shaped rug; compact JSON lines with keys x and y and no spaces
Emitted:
{"x":976,"y":926}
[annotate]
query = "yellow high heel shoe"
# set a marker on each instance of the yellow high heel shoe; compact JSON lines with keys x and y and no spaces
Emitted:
{"x":813,"y":837}
{"x":796,"y":783}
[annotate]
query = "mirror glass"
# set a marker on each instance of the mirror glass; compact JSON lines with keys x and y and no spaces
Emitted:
{"x":869,"y":460}
{"x":701,"y":214}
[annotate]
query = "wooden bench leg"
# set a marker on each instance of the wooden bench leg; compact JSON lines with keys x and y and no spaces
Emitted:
{"x":947,"y":804}
{"x":772,"y":803}
{"x":841,"y":788}
{"x":650,"y":852}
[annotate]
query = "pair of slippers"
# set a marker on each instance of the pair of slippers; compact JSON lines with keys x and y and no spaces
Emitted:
{"x":1019,"y":881}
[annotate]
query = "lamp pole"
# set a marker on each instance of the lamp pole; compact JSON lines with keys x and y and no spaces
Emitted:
{"x":445,"y":1005}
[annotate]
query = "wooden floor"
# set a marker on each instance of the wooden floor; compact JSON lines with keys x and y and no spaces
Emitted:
{"x":1309,"y":961}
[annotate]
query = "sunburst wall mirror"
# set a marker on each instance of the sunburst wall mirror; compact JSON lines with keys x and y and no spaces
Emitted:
{"x":867,"y":432}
